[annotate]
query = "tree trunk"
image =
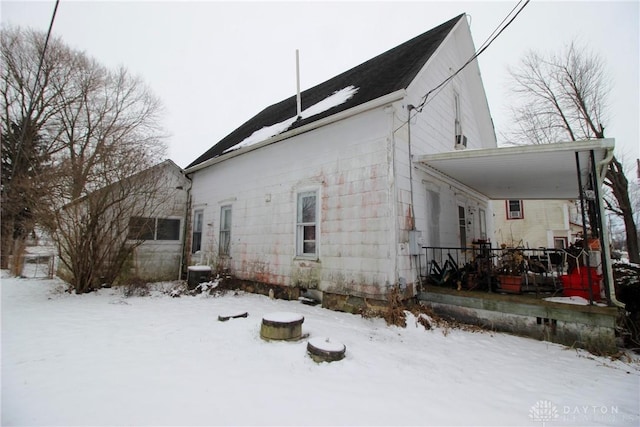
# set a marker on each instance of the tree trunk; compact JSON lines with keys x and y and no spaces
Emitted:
{"x":618,"y":183}
{"x":17,"y":261}
{"x":632,"y":239}
{"x":6,"y":242}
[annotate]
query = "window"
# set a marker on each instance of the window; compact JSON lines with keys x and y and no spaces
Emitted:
{"x":225,"y":230}
{"x":196,"y":238}
{"x":483,"y":224}
{"x":141,"y":228}
{"x":463,"y":226}
{"x":457,"y":112}
{"x":306,"y":224}
{"x":514,"y":209}
{"x":167,"y":229}
{"x":433,"y":219}
{"x":559,"y":242}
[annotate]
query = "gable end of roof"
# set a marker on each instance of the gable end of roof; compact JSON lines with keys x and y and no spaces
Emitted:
{"x":386,"y":73}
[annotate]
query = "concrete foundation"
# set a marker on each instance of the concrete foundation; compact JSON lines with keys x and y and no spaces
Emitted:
{"x":583,"y":326}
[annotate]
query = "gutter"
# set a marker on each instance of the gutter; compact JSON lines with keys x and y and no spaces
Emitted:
{"x":604,"y":165}
{"x":587,"y":145}
{"x":370,"y":105}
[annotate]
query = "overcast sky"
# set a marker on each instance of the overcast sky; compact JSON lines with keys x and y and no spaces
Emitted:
{"x":216,"y":64}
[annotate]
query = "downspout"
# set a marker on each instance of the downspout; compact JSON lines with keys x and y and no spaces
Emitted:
{"x":393,"y":194}
{"x":183,"y":253}
{"x":601,"y":171}
{"x":413,"y":217}
{"x":412,"y":258}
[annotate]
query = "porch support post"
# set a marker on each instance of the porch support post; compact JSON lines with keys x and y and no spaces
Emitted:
{"x":584,"y":226}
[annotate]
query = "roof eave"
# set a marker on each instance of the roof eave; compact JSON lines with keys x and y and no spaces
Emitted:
{"x":375,"y":103}
{"x":523,"y":172}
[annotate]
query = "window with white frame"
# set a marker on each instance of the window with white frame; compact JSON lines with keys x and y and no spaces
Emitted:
{"x":483,"y":223}
{"x":514,"y":209}
{"x":225,"y":230}
{"x":462,"y":221}
{"x":433,"y":218}
{"x":559,"y":242}
{"x":307,"y":224}
{"x":196,"y":237}
{"x":457,"y":113}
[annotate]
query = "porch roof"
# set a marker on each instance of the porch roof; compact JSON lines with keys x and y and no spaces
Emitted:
{"x":545,"y":171}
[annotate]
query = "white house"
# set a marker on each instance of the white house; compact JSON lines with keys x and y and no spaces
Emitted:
{"x":325,"y":195}
{"x":344,"y":190}
{"x":536,"y":223}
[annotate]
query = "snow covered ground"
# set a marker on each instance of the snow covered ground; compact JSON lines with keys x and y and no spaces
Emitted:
{"x":103,"y":359}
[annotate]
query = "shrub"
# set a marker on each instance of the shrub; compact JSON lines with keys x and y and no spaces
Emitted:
{"x":136,"y":287}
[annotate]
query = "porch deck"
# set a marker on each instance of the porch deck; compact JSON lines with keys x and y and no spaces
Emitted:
{"x":585,"y":326}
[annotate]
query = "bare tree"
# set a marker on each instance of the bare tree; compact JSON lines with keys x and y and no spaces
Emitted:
{"x":95,"y":233}
{"x":564,"y":97}
{"x":29,"y":104}
{"x":96,"y":131}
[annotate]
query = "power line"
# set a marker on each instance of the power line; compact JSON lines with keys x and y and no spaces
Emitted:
{"x":494,"y":35}
{"x":482,"y":46}
{"x":25,"y":124}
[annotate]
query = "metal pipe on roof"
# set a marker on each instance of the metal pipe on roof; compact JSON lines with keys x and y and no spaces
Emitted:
{"x":298,"y":99}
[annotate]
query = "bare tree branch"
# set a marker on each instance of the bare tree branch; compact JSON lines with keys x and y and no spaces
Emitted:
{"x":91,"y":134}
{"x":564,"y":96}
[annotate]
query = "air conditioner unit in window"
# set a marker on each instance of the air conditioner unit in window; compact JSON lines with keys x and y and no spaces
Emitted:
{"x":515,"y":214}
{"x":461,"y":142}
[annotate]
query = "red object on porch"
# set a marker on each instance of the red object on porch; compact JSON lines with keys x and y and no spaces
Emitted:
{"x":576,"y":284}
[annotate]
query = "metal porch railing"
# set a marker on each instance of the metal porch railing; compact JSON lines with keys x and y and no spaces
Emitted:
{"x":569,"y":272}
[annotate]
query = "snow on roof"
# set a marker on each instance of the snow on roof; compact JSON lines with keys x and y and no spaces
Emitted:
{"x":338,"y":97}
{"x":382,"y":75}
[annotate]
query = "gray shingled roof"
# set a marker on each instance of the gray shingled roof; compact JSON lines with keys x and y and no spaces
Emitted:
{"x":379,"y":76}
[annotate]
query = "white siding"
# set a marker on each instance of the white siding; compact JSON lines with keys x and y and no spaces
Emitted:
{"x":347,"y":162}
{"x":432,"y":131}
{"x":160,"y":260}
{"x":543,"y":220}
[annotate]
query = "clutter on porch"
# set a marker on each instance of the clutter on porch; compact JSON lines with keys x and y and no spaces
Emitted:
{"x":572,"y":271}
